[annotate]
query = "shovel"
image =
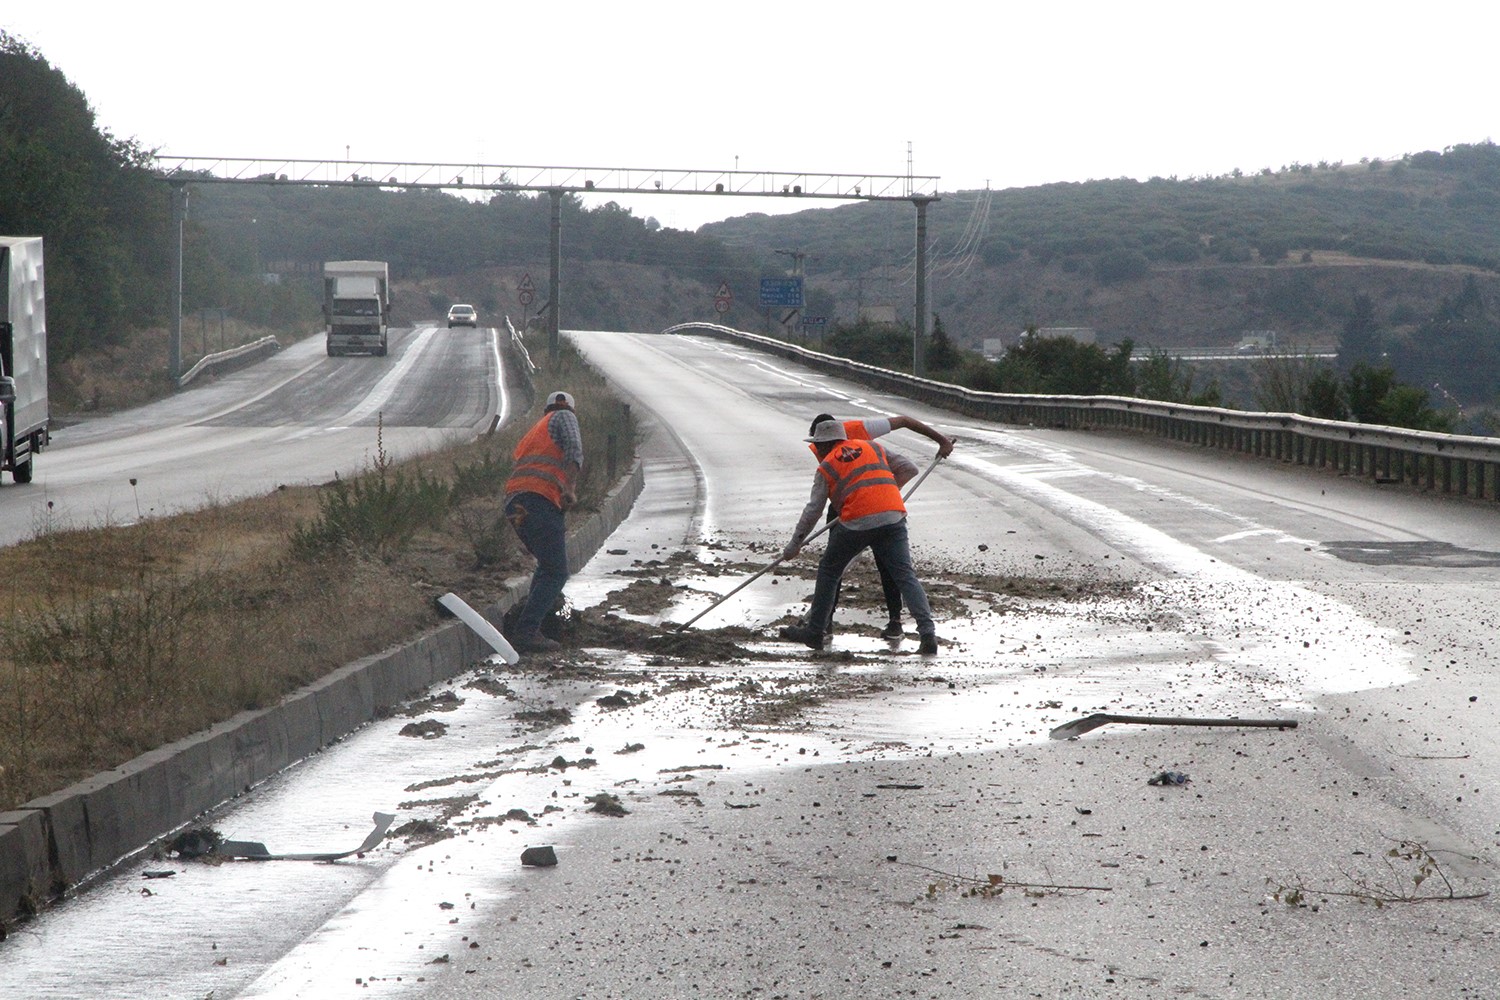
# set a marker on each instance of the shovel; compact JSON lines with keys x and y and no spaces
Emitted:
{"x":1089,"y":723}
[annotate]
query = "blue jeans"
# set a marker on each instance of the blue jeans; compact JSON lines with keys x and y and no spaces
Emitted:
{"x":889,"y":546}
{"x":539,"y":525}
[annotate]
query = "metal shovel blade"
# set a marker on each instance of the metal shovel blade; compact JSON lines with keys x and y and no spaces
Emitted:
{"x":1089,"y":723}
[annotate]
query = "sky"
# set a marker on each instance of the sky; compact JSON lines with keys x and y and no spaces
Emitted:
{"x":997,"y":95}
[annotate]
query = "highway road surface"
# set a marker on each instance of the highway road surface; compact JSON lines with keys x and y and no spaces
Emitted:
{"x":921,"y":835}
{"x":298,"y":417}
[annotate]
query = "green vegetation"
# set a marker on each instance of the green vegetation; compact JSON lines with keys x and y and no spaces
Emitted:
{"x":1395,"y":262}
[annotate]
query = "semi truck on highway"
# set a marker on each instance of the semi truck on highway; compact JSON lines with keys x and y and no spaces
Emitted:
{"x":356,"y":306}
{"x":23,"y":356}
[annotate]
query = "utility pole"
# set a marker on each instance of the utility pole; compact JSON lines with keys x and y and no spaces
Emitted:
{"x":798,"y":257}
{"x":174,"y":341}
{"x":556,"y":268}
{"x":919,"y":328}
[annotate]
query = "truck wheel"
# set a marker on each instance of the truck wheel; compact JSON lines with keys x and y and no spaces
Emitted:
{"x":380,"y":351}
{"x":332,"y":351}
{"x":22,"y":472}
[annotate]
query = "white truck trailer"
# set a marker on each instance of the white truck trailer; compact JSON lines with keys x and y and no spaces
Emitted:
{"x":356,"y":306}
{"x":24,"y":416}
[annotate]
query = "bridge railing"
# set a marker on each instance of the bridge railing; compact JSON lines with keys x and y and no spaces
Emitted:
{"x":1457,"y":464}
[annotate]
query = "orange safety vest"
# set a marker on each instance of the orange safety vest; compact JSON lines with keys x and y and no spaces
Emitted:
{"x":860,"y":480}
{"x":540,"y":465}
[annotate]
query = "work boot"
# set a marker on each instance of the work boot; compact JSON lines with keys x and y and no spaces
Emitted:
{"x":892,"y":629}
{"x":807,"y":635}
{"x":535,"y":643}
{"x":928,"y":645}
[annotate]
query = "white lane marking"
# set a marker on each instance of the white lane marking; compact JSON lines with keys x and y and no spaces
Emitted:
{"x":382,"y":391}
{"x":1291,"y":641}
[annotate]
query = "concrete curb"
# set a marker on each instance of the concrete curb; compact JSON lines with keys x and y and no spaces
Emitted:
{"x":61,"y":841}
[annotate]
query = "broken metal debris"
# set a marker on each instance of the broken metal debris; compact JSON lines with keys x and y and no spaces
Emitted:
{"x":481,"y":626}
{"x":1089,"y":723}
{"x":250,"y":850}
{"x":1169,"y":778}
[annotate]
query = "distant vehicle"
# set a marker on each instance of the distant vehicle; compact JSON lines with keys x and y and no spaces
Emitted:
{"x":24,"y":415}
{"x":462,"y":315}
{"x":356,"y":305}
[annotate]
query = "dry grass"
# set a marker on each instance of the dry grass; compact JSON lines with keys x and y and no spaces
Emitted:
{"x":135,"y":372}
{"x":115,"y":641}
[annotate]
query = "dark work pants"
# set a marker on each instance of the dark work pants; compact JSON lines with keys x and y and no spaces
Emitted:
{"x":539,"y":525}
{"x":888,"y":588}
{"x":890,"y":547}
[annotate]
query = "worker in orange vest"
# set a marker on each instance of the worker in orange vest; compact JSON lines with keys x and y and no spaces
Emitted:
{"x":868,"y":429}
{"x":547,"y":463}
{"x":861,"y":480}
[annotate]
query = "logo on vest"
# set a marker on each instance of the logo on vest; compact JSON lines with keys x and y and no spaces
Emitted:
{"x":850,"y":452}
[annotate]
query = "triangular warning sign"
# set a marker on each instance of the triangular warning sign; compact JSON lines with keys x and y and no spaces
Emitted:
{"x":723,"y":292}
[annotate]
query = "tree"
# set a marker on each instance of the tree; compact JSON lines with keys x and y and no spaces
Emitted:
{"x":942,"y":356}
{"x":1375,"y":397}
{"x":1458,"y":350}
{"x":1361,"y":340}
{"x":1161,"y":376}
{"x":103,"y":218}
{"x":1281,"y":383}
{"x":1064,"y":366}
{"x":1324,"y":396}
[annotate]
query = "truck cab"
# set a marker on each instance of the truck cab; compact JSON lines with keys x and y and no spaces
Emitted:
{"x":356,"y":306}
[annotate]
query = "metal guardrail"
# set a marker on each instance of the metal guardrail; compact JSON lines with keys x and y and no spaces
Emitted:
{"x":1458,"y":464}
{"x":519,"y":345}
{"x":231,"y":358}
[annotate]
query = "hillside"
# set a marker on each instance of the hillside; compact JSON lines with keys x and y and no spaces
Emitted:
{"x":1404,"y":253}
{"x":1168,"y":262}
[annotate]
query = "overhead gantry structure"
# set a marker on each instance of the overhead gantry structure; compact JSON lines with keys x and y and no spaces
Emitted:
{"x":181,"y":171}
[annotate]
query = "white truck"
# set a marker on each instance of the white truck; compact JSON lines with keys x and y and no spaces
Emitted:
{"x":356,"y":306}
{"x":24,"y":415}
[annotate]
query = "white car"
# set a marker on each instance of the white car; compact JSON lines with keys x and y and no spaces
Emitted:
{"x":462,"y":315}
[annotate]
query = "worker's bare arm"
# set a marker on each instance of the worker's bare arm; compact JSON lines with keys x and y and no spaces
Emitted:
{"x":945,"y":443}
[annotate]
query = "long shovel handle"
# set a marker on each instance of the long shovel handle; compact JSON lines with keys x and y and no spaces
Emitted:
{"x":912,"y":488}
{"x":748,"y":581}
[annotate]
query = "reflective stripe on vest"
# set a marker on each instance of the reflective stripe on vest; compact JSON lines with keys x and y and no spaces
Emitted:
{"x":540,"y":465}
{"x":860,"y":480}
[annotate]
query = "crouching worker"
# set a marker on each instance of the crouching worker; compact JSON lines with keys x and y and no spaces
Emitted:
{"x":862,"y":481}
{"x":547,"y":464}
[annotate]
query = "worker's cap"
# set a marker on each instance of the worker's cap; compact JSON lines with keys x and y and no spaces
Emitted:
{"x":827,"y":431}
{"x":560,"y":399}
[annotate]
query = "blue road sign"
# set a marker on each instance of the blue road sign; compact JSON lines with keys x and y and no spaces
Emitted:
{"x":781,"y":292}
